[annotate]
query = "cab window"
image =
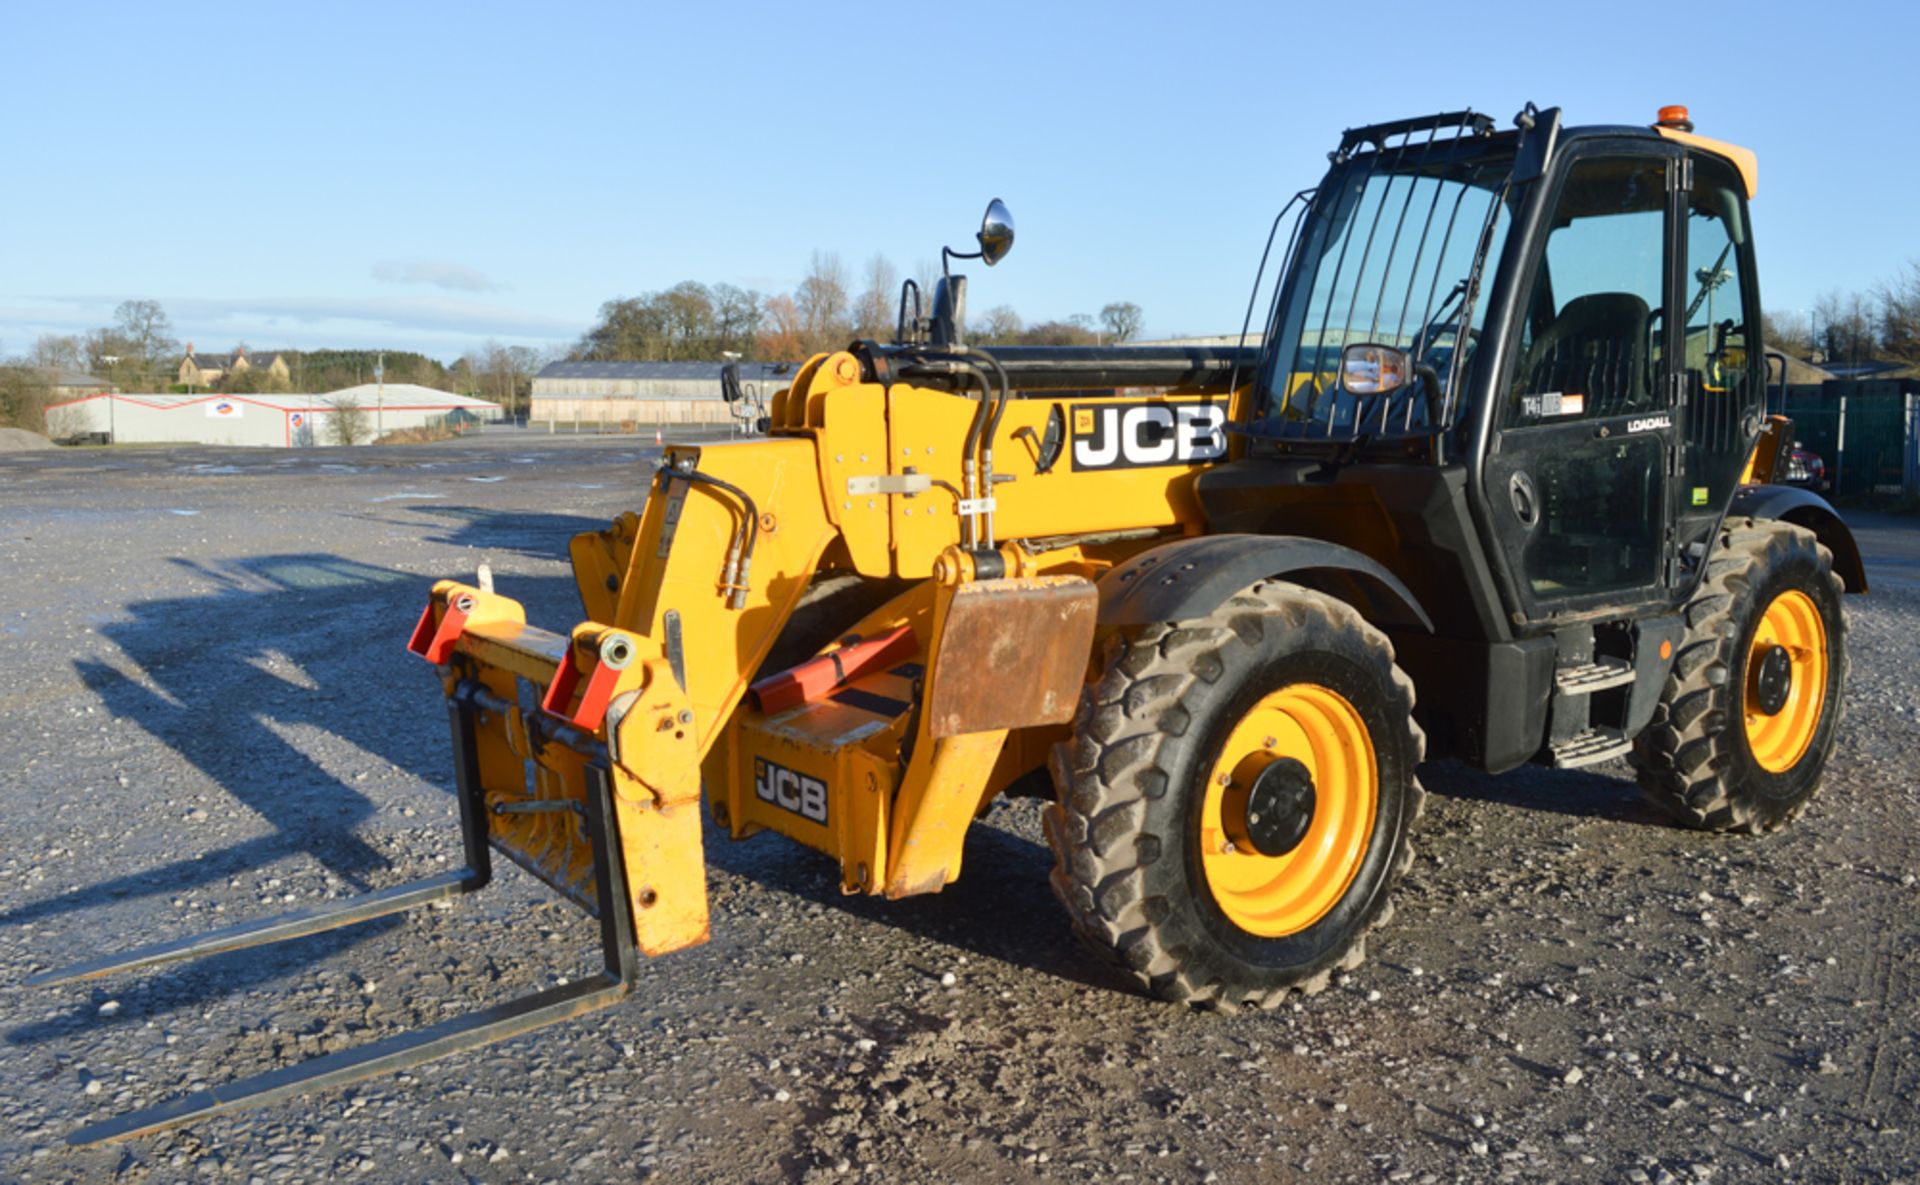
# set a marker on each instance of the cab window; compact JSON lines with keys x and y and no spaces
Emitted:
{"x":1589,"y":346}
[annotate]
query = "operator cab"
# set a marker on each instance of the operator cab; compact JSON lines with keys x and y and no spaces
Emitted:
{"x":1521,"y":369}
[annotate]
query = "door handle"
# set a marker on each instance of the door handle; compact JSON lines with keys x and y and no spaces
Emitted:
{"x":1526,"y":503}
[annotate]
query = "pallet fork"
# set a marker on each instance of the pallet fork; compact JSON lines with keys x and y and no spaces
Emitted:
{"x":404,"y":1050}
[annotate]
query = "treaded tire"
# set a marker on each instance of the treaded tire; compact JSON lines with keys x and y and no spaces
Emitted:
{"x":1125,"y":831}
{"x":832,"y":605}
{"x":1694,"y":761}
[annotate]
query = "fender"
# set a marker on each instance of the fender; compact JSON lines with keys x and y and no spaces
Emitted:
{"x":1192,"y":577}
{"x":1804,"y":508}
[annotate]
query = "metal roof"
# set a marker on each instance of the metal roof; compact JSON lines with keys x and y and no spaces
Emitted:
{"x":402,"y":393}
{"x":60,"y":376}
{"x":397,"y":395}
{"x":689,"y":371}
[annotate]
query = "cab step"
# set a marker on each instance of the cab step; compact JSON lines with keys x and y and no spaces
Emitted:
{"x":1590,"y":748}
{"x":1597,"y":675}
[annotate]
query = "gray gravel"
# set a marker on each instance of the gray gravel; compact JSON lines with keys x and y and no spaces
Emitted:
{"x":209,"y":715}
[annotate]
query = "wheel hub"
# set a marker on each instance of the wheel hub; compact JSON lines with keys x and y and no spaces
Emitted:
{"x":1772,"y":680}
{"x":1280,"y":807}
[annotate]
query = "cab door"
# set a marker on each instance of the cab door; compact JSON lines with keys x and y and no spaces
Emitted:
{"x":1578,"y":474}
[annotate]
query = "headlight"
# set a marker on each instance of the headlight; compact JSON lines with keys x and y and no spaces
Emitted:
{"x":1368,"y":369}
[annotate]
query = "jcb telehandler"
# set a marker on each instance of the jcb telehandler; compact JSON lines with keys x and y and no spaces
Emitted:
{"x":1503,"y":443}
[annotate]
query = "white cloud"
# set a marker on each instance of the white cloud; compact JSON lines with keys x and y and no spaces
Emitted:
{"x":437,"y":272}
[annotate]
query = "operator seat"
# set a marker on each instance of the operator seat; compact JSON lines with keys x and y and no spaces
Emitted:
{"x":1596,"y":347}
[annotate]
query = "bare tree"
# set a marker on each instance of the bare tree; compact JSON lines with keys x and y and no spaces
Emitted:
{"x":782,"y":337}
{"x":1122,"y":321}
{"x":57,"y":350}
{"x":874,"y":313}
{"x":1900,"y":315}
{"x":1846,"y":333}
{"x":823,"y":303}
{"x":1788,"y":333}
{"x":348,"y":424}
{"x":736,"y":313}
{"x":999,"y":326}
{"x":143,"y":326}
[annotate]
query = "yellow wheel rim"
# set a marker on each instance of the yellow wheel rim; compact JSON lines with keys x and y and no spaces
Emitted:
{"x":1781,"y":738}
{"x":1273,"y":896}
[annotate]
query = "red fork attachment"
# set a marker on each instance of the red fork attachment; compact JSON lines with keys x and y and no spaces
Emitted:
{"x":434,"y":641}
{"x":612,"y":656}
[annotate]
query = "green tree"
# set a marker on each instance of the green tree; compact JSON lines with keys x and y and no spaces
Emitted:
{"x":24,"y":395}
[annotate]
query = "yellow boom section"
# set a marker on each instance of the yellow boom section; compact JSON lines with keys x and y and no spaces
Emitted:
{"x":687,"y":597}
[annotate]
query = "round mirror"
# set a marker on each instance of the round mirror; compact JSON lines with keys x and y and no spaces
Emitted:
{"x":996,"y":232}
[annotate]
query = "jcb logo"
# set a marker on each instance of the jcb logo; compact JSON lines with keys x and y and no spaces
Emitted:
{"x":804,"y":796}
{"x":1141,"y":435}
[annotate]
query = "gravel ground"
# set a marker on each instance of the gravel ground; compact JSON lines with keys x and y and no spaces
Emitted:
{"x":209,"y":716}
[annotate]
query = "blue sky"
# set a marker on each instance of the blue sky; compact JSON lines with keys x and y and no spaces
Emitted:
{"x":430,"y":176}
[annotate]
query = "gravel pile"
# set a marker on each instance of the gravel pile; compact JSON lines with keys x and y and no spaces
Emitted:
{"x":19,"y":440}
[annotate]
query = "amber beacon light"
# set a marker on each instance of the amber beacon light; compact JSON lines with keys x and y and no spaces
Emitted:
{"x":1675,"y":117}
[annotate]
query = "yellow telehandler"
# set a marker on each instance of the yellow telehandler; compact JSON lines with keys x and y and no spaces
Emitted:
{"x":1503,"y":441}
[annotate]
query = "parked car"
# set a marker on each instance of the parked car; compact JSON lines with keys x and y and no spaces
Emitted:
{"x":1805,"y":468}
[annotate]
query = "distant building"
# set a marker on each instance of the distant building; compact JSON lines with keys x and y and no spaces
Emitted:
{"x":636,"y":393}
{"x":262,"y":421}
{"x":66,"y":384}
{"x":204,"y":370}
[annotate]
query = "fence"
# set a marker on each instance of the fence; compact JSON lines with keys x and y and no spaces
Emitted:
{"x":1866,"y":432}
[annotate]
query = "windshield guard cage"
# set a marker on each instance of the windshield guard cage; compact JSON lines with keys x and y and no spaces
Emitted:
{"x":1420,"y":200}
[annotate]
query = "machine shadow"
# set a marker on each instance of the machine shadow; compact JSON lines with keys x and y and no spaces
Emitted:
{"x":1576,"y":792}
{"x":290,"y":676}
{"x":1001,"y":908}
{"x":532,"y":534}
{"x":195,"y":983}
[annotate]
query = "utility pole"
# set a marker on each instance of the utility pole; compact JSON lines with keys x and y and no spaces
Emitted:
{"x":112,"y":360}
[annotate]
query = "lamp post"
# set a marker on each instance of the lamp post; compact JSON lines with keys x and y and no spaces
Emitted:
{"x":112,"y":360}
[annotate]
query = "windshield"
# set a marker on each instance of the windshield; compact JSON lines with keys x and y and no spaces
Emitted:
{"x":1391,"y":252}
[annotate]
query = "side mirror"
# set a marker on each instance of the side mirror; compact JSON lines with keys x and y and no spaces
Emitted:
{"x":730,"y":382}
{"x":1367,"y":369}
{"x":996,"y":232}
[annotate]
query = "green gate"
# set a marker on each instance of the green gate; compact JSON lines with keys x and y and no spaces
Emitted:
{"x":1863,"y":430}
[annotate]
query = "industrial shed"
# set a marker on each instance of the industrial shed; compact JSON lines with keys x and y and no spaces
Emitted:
{"x":613,"y":395}
{"x":260,"y":421}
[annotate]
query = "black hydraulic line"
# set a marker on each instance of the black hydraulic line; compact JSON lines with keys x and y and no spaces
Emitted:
{"x":736,"y":578}
{"x":1085,"y":369}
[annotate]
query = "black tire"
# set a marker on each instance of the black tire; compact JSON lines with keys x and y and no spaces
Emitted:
{"x":1694,"y":761}
{"x":833,"y":604}
{"x":1125,"y":831}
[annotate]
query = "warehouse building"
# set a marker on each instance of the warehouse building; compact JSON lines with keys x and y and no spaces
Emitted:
{"x":616,"y":396}
{"x":354,"y":414}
